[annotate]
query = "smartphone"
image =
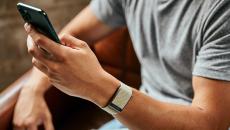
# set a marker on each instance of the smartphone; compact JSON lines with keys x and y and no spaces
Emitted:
{"x":38,"y":19}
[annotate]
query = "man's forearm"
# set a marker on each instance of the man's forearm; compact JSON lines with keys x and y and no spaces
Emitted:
{"x":144,"y":113}
{"x":37,"y":82}
{"x":209,"y":109}
{"x":87,"y":27}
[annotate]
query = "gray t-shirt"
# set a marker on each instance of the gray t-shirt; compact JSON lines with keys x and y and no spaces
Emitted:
{"x":174,"y":40}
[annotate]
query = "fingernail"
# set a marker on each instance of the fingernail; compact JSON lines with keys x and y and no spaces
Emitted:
{"x":27,"y":27}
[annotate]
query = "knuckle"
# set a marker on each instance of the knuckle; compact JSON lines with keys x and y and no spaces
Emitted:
{"x":50,"y":73}
{"x":62,"y":57}
{"x":29,"y":121}
{"x":36,"y":55}
{"x":63,"y":36}
{"x":31,"y":50}
{"x":38,"y":39}
{"x":39,"y":55}
{"x":18,"y":123}
{"x":34,"y":61}
{"x":52,"y":80}
{"x":83,"y":53}
{"x":83,"y":44}
{"x":55,"y":68}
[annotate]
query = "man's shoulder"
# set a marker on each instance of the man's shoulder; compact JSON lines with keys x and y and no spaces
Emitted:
{"x":215,"y":11}
{"x":213,"y":6}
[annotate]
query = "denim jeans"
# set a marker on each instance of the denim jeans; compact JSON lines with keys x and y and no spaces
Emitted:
{"x":113,"y":125}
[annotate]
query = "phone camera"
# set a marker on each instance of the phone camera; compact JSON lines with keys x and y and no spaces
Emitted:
{"x":25,"y":15}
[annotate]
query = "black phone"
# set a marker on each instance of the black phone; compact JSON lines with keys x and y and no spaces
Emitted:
{"x":39,"y":19}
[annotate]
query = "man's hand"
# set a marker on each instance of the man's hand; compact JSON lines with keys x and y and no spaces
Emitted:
{"x":31,"y":111}
{"x":85,"y":26}
{"x":73,"y":68}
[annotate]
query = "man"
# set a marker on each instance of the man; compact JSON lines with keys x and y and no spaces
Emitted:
{"x":184,"y":51}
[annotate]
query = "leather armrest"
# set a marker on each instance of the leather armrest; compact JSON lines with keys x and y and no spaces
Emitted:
{"x":8,"y":98}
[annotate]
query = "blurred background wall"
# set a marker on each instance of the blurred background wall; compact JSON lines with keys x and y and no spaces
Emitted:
{"x":14,"y":59}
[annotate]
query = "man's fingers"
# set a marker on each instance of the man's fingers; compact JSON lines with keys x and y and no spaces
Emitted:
{"x":47,"y":44}
{"x":36,"y":52}
{"x":28,"y":124}
{"x":48,"y":124}
{"x":18,"y":124}
{"x":50,"y":72}
{"x":31,"y":124}
{"x":32,"y":127}
{"x":19,"y":128}
{"x":72,"y":42}
{"x":40,"y":66}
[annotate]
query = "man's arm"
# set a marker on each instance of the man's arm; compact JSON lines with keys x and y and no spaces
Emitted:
{"x":209,"y":109}
{"x":86,"y":79}
{"x":87,"y":27}
{"x":84,"y":26}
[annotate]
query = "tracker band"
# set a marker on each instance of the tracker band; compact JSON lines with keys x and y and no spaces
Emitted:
{"x":120,"y":100}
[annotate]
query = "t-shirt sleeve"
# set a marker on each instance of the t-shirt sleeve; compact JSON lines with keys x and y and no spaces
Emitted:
{"x":109,"y":11}
{"x":213,"y":58}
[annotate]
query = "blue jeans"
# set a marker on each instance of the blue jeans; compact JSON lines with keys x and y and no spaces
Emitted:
{"x":113,"y":125}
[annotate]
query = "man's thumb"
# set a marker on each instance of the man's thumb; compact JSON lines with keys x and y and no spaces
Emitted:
{"x":72,"y":42}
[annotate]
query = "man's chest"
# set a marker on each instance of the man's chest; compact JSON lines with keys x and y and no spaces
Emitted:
{"x":164,"y":32}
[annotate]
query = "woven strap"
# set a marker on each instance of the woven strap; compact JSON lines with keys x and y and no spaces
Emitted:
{"x":121,"y":98}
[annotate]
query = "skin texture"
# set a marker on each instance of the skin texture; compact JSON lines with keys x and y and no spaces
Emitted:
{"x":208,"y":111}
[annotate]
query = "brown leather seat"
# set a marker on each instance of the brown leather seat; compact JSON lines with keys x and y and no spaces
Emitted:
{"x":116,"y":55}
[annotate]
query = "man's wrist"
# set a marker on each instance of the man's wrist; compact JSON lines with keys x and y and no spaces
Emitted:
{"x":108,"y":86}
{"x":120,"y":100}
{"x":42,"y":86}
{"x":38,"y":82}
